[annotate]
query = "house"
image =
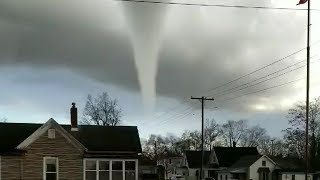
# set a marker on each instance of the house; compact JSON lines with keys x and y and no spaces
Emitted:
{"x":147,"y":166}
{"x":172,"y":166}
{"x":264,"y":168}
{"x":214,"y":161}
{"x":51,"y":151}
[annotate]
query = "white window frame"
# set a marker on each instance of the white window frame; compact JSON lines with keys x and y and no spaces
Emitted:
{"x":44,"y":167}
{"x":110,"y":167}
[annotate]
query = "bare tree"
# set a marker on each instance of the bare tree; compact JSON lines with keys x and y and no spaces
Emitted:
{"x":172,"y":143}
{"x":233,"y":131}
{"x":273,"y":147}
{"x":253,"y":136}
{"x":295,"y":141}
{"x":211,"y":131}
{"x":101,"y":111}
{"x":297,"y":118}
{"x":4,"y":120}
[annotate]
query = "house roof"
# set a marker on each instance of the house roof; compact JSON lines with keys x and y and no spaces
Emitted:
{"x":288,"y":164}
{"x":194,"y":158}
{"x":227,"y":156}
{"x":245,"y":161}
{"x":146,"y":161}
{"x":95,"y":138}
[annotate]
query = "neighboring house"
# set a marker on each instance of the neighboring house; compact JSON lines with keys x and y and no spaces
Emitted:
{"x":193,"y":164}
{"x":218,"y":159}
{"x":147,"y":166}
{"x":263,"y":168}
{"x":52,"y":151}
{"x":172,"y":166}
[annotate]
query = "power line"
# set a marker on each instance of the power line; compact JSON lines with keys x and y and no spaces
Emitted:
{"x":272,"y":87}
{"x":217,"y":5}
{"x":230,"y":82}
{"x":264,"y":67}
{"x":258,"y":90}
{"x":241,"y":77}
{"x":222,"y":94}
{"x":183,"y":114}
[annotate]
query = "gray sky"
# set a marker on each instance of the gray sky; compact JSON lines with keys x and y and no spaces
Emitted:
{"x":56,"y":52}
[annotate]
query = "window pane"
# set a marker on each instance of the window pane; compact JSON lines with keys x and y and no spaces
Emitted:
{"x":90,"y":165}
{"x":117,"y":175}
{"x":51,"y":165}
{"x":116,"y":165}
{"x":130,"y":175}
{"x":90,"y":175}
{"x":51,"y":168}
{"x":51,"y":176}
{"x":104,"y":175}
{"x":104,"y":165}
{"x":130,"y":165}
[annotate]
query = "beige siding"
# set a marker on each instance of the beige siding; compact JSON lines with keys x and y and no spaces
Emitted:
{"x":69,"y":158}
{"x":11,"y":167}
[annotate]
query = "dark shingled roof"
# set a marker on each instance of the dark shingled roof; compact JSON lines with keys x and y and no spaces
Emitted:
{"x":288,"y":164}
{"x":94,"y":138}
{"x":229,"y":155}
{"x":245,"y":161}
{"x":194,"y":158}
{"x":12,"y":134}
{"x":226,"y":156}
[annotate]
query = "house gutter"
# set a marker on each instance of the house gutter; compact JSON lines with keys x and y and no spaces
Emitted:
{"x":112,"y":152}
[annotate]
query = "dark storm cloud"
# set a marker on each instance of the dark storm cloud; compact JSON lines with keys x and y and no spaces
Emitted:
{"x":201,"y":49}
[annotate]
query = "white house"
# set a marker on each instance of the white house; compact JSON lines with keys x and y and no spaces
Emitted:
{"x":215,"y":161}
{"x":264,"y":168}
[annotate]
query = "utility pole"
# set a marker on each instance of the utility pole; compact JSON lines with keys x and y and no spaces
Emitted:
{"x":307,"y":93}
{"x":202,"y":100}
{"x":155,"y":151}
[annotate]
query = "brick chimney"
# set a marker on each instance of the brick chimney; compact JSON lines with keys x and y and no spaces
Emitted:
{"x":74,"y":117}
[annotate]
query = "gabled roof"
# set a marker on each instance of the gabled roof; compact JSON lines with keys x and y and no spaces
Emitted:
{"x":246,"y":161}
{"x":226,"y":156}
{"x":51,"y":123}
{"x":288,"y":164}
{"x":194,"y":158}
{"x":120,"y":139}
{"x":229,"y":155}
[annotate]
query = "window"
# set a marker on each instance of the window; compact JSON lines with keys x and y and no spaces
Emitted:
{"x":130,"y":170}
{"x":220,"y":176}
{"x":293,"y":177}
{"x":104,"y":170}
{"x":91,"y":170}
{"x":117,"y":169}
{"x":110,"y":169}
{"x":264,"y":163}
{"x":226,"y":177}
{"x":51,"y":133}
{"x":50,"y":168}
